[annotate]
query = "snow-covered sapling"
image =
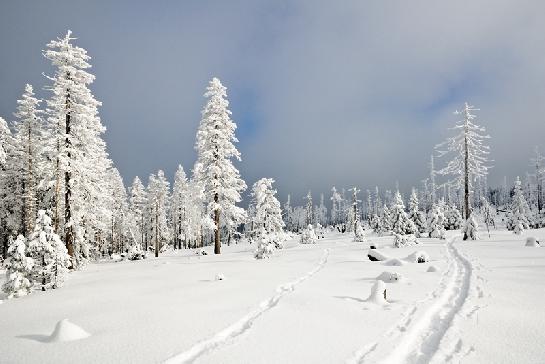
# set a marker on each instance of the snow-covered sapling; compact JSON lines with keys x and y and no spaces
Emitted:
{"x":18,"y":269}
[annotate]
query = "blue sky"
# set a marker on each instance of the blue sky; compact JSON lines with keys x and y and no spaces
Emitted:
{"x":324,"y":93}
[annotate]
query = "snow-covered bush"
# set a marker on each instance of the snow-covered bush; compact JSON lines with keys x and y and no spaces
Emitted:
{"x":359,"y":234}
{"x":403,"y":240}
{"x":436,"y":222}
{"x":51,"y":259}
{"x":453,"y":218}
{"x":136,"y":253}
{"x":471,"y":229}
{"x":532,"y":242}
{"x":18,"y":269}
{"x":308,"y":236}
{"x":219,"y":277}
{"x":418,"y":257}
{"x":390,"y":277}
{"x":518,"y":216}
{"x":265,"y":247}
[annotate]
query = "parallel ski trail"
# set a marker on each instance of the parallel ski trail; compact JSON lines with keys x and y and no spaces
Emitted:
{"x":422,"y":340}
{"x":416,"y":337}
{"x":245,"y":323}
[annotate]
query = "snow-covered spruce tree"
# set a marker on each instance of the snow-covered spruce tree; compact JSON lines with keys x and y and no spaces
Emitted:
{"x":77,"y":151}
{"x":179,"y":206}
{"x":517,"y":219}
{"x":320,"y":212}
{"x":137,"y":202}
{"x":158,"y":194}
{"x":353,"y":212}
{"x":402,"y":227}
{"x":308,"y":235}
{"x":18,"y":269}
{"x":453,"y":218}
{"x":268,"y":214}
{"x":470,"y":228}
{"x":28,"y":159}
{"x":214,"y":169}
{"x":359,"y":235}
{"x":470,"y":159}
{"x":537,"y":162}
{"x":51,"y":259}
{"x":416,"y":216}
{"x":487,"y":212}
{"x":288,"y":214}
{"x":386,"y":220}
{"x":9,"y":220}
{"x":122,"y":223}
{"x":336,"y":202}
{"x":436,"y":222}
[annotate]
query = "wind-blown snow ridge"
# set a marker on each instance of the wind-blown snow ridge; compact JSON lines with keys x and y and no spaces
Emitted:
{"x":245,"y":323}
{"x":422,"y":340}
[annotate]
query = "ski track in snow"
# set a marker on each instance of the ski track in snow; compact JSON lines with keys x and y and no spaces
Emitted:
{"x":245,"y":323}
{"x":418,"y":341}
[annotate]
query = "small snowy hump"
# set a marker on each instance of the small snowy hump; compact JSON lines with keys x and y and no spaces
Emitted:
{"x":432,"y":268}
{"x":390,"y":277}
{"x":418,"y":257}
{"x":67,"y":331}
{"x":378,"y":293}
{"x":220,"y":277}
{"x":375,"y":256}
{"x":532,"y":242}
{"x":394,"y":262}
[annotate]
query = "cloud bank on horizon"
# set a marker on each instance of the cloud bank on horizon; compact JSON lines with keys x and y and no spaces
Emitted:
{"x":323,"y":94}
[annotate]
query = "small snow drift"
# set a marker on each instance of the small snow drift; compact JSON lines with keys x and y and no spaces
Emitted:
{"x":394,"y":262}
{"x":390,"y":277}
{"x":532,"y":242}
{"x":375,"y":256}
{"x":220,"y":277}
{"x":418,"y":257}
{"x":432,"y":268}
{"x":67,"y":331}
{"x":378,"y":293}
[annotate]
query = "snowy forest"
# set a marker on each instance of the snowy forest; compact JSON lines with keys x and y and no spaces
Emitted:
{"x":64,"y":203}
{"x":175,"y":267}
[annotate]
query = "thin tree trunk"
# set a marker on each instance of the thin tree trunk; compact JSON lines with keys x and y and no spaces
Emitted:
{"x":466,"y":180}
{"x":217,"y":242}
{"x":156,"y":229}
{"x":69,"y":229}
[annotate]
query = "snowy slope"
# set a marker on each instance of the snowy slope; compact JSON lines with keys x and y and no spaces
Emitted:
{"x":306,"y":304}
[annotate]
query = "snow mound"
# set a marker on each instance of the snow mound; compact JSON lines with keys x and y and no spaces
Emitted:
{"x":378,"y":293}
{"x":432,"y":268}
{"x":220,"y":277}
{"x":390,"y":277}
{"x":418,"y":257}
{"x":394,"y":262}
{"x":116,"y":257}
{"x":375,"y":256}
{"x":67,"y":331}
{"x":532,"y":242}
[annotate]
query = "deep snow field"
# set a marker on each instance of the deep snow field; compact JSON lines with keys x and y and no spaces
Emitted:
{"x":307,"y":304}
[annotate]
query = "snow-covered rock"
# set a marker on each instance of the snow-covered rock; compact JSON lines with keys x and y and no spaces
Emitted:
{"x":376,"y":256}
{"x":390,"y":277}
{"x":67,"y":331}
{"x":394,"y":262}
{"x":418,"y":257}
{"x":378,"y":293}
{"x":532,"y":242}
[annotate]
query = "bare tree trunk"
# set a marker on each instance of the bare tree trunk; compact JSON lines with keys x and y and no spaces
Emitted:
{"x":156,"y":229}
{"x":69,"y":229}
{"x":466,"y":180}
{"x":217,"y":242}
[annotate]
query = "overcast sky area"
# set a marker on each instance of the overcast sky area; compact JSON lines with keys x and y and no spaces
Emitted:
{"x":324,"y":93}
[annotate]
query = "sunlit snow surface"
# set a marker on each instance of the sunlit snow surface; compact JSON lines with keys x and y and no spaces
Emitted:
{"x":307,"y":304}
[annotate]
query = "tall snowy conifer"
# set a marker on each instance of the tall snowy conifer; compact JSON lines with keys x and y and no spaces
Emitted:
{"x":78,"y":152}
{"x":470,"y":159}
{"x":214,"y":168}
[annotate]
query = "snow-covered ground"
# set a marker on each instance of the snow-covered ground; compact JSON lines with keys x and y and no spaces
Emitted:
{"x":307,"y":304}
